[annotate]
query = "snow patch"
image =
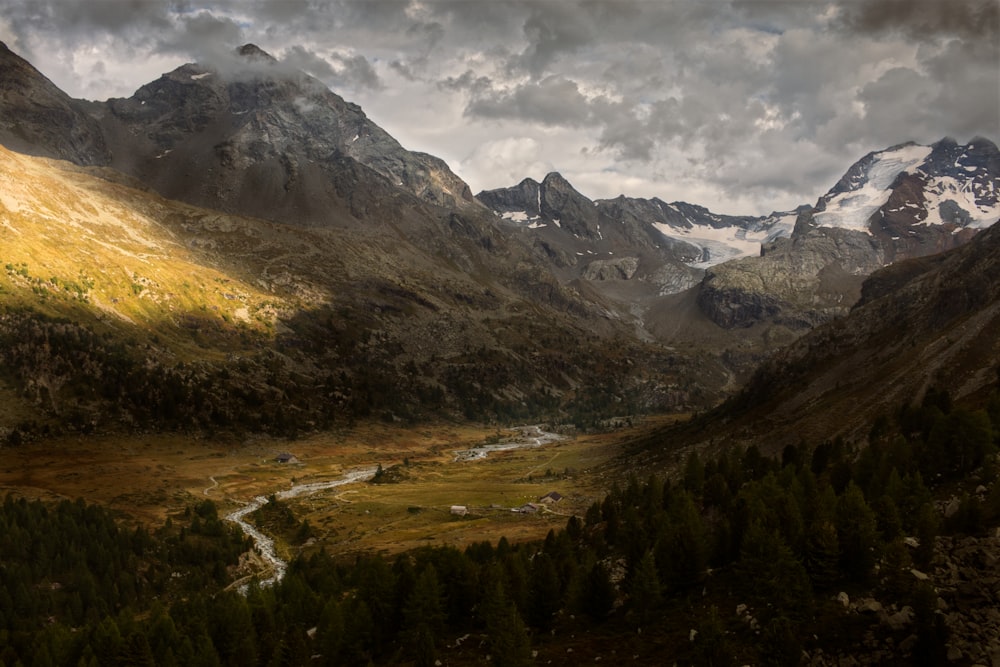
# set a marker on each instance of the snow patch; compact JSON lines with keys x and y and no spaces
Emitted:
{"x":522,"y":218}
{"x":517,"y":216}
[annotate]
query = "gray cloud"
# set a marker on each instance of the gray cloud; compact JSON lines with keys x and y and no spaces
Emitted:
{"x":203,"y":35}
{"x":759,"y":101}
{"x":336,"y":70}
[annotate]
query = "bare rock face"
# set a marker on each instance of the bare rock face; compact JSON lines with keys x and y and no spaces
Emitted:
{"x":244,"y":134}
{"x":922,"y":322}
{"x":967,"y":579}
{"x":798,"y":282}
{"x":39,"y":119}
{"x":613,"y":240}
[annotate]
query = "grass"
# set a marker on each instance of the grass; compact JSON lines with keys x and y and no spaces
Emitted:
{"x":151,"y":477}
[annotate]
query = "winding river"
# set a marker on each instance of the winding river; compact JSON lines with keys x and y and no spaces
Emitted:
{"x":263,"y":543}
{"x":529,"y":437}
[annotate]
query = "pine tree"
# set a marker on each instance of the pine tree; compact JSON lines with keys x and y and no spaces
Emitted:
{"x":895,"y":570}
{"x":857,"y":533}
{"x":822,"y":554}
{"x":136,"y":651}
{"x":776,"y":577}
{"x":645,"y":594}
{"x":509,"y":643}
{"x":546,"y":596}
{"x":598,"y":594}
{"x":931,"y":631}
{"x":423,"y":617}
{"x":927,"y":529}
{"x":682,"y":551}
{"x":711,"y":646}
{"x":330,"y":632}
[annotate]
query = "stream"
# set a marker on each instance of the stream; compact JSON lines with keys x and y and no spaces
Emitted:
{"x":263,"y":543}
{"x":529,"y":437}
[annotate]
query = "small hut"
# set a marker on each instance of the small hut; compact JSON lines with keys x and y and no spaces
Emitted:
{"x":551,"y":498}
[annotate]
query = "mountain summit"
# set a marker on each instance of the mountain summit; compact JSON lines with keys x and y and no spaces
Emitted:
{"x":267,"y":140}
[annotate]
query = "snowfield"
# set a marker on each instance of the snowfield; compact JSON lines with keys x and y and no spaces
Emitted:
{"x":852,"y":209}
{"x":944,"y":189}
{"x":723,"y":244}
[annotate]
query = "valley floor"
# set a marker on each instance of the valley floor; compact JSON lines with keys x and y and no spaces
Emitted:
{"x":150,"y":477}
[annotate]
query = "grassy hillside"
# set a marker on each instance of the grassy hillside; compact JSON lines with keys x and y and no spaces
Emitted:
{"x":120,"y":309}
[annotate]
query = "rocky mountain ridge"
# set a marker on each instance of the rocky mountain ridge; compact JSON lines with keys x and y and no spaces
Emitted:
{"x":794,"y":269}
{"x":905,"y":202}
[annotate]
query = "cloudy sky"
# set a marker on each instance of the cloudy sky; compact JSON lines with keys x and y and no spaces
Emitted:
{"x":743,"y":106}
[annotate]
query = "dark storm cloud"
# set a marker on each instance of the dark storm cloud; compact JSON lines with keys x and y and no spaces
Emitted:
{"x":552,"y":101}
{"x":925,"y":18}
{"x":202,"y":35}
{"x":336,"y":70}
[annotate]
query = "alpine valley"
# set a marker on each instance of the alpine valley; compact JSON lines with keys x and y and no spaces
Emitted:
{"x":792,"y":416}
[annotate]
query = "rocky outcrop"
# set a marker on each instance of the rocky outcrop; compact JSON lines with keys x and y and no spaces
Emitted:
{"x":932,"y":324}
{"x":966,"y":576}
{"x":244,"y":133}
{"x":798,"y":282}
{"x":623,"y":268}
{"x":906,"y":202}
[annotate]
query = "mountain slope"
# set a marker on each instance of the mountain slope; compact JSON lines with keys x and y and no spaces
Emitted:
{"x":666,"y":246}
{"x":793,"y":269}
{"x":162,"y":315}
{"x":249,"y":135}
{"x":924,"y":323}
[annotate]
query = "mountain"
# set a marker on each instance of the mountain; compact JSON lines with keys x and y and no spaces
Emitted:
{"x":794,"y":269}
{"x":120,"y":309}
{"x":923,"y":324}
{"x":249,"y":135}
{"x":371,"y":251}
{"x":904,"y":202}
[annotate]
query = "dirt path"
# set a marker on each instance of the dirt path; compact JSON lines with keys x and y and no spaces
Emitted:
{"x":215,"y":485}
